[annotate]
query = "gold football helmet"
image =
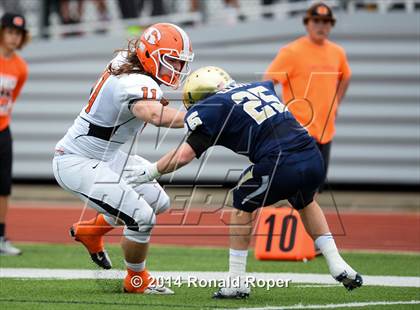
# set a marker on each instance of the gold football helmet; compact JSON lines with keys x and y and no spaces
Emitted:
{"x":204,"y":82}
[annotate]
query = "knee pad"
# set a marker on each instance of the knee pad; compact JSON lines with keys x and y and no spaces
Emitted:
{"x":136,"y":236}
{"x":162,"y":204}
{"x":141,"y":227}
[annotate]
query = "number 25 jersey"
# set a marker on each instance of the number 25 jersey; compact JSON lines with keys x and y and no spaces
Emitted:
{"x":248,"y":119}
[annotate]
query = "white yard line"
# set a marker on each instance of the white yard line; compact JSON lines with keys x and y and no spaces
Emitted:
{"x":311,"y":278}
{"x":337,"y":306}
{"x":318,"y":285}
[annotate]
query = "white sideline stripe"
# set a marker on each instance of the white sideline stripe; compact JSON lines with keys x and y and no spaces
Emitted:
{"x":318,"y":285}
{"x":335,"y":306}
{"x":314,"y":278}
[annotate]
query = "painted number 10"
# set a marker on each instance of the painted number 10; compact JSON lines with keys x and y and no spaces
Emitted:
{"x":289,"y":223}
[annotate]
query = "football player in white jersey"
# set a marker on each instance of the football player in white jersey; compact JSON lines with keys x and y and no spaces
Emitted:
{"x":89,"y":163}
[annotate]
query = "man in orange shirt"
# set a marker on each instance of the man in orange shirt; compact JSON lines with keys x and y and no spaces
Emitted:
{"x":13,"y":74}
{"x":314,"y":74}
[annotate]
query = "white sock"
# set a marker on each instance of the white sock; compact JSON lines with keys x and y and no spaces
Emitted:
{"x":237,"y":262}
{"x":237,"y":269}
{"x":136,"y":267}
{"x":336,"y":263}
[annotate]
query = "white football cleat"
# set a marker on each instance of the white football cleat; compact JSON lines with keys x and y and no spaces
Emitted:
{"x":154,"y":289}
{"x":7,"y":249}
{"x":232,"y":293}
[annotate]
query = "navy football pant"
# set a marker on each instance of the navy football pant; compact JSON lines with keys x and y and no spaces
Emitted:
{"x":295,"y":177}
{"x":325,"y":150}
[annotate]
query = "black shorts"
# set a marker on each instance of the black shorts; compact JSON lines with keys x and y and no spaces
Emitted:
{"x":5,"y":162}
{"x":325,"y":150}
{"x":296,"y":179}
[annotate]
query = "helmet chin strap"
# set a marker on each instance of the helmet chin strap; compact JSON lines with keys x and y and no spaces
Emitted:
{"x":169,"y":79}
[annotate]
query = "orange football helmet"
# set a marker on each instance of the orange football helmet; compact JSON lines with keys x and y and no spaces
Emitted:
{"x":161,"y":44}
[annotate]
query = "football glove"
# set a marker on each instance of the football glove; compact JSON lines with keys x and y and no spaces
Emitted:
{"x":140,"y":174}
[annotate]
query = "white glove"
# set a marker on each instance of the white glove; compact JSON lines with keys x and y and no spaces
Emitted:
{"x":140,"y":174}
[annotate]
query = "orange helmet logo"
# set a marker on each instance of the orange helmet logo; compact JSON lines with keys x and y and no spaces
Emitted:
{"x":322,"y":10}
{"x":152,"y":35}
{"x":18,"y":21}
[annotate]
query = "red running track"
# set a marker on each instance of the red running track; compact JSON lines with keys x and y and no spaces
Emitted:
{"x":361,"y":231}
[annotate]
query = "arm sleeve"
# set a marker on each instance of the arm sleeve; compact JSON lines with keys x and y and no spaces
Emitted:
{"x":21,"y":81}
{"x":202,"y":123}
{"x":199,"y":141}
{"x":280,"y":68}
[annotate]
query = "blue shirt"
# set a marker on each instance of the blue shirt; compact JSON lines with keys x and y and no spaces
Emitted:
{"x":248,"y":119}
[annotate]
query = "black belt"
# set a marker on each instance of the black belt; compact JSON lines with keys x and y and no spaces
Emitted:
{"x":100,"y":132}
{"x":104,"y":133}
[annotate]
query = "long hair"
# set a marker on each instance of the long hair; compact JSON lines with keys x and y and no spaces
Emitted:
{"x":132,"y":64}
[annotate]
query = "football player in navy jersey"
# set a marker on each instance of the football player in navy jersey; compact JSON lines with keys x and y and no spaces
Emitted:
{"x":249,"y":119}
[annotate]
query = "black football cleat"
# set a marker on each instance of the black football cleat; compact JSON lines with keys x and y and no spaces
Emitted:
{"x":231,"y":295}
{"x":100,"y":258}
{"x":350,"y":284}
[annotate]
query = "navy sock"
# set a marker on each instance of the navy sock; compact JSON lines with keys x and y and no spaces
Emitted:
{"x":2,"y":229}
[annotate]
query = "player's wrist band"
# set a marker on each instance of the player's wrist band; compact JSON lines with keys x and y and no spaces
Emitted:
{"x":153,"y":170}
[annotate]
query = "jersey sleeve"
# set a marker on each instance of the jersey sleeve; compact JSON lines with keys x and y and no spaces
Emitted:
{"x":345,"y":67}
{"x":199,"y":141}
{"x":21,"y":81}
{"x":136,"y":87}
{"x":281,"y":68}
{"x":203,"y":126}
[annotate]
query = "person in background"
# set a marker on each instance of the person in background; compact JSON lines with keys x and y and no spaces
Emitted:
{"x":48,"y":7}
{"x":268,"y":2}
{"x":133,"y":8}
{"x":314,"y":74}
{"x":13,"y":74}
{"x":69,"y":15}
{"x":232,"y":10}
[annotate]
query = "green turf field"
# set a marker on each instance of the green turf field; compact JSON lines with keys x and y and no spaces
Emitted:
{"x":95,"y":294}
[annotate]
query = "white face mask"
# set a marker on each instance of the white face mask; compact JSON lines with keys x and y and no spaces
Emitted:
{"x":167,"y":57}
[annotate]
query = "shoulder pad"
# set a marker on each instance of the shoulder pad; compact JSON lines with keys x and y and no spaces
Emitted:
{"x":139,"y":86}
